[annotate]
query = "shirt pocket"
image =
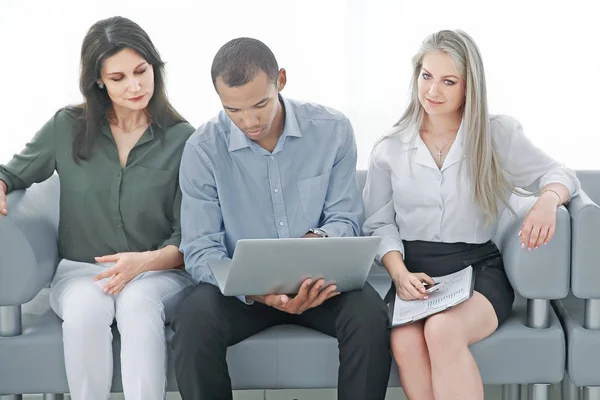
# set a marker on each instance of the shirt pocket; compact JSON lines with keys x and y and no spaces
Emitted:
{"x":312,"y":197}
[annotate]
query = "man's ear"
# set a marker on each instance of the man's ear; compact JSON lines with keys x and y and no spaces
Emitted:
{"x":281,"y":79}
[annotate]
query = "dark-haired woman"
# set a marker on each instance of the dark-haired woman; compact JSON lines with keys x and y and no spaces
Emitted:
{"x":117,"y":156}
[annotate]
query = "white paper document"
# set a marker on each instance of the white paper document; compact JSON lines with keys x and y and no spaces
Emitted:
{"x":455,"y":288}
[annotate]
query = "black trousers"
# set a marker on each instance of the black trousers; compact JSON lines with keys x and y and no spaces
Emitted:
{"x":208,"y":323}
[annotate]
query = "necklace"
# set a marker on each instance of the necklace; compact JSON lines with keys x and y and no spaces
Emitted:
{"x":440,"y":152}
{"x":128,"y":133}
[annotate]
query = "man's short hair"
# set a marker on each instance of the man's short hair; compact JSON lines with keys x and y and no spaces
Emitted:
{"x":241,"y":59}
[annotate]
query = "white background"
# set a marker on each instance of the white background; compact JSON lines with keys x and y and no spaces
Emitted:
{"x":541,"y":59}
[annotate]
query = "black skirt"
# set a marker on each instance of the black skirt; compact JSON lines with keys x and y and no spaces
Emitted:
{"x":437,"y":259}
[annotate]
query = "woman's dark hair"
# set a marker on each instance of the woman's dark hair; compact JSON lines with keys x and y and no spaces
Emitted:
{"x":104,"y":39}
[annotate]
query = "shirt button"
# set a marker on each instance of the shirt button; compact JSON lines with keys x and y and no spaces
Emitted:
{"x":276,"y":190}
{"x":436,"y":237}
{"x":281,"y":223}
{"x":115,"y":202}
{"x":439,"y":178}
{"x":119,"y":175}
{"x":272,"y":157}
{"x":119,"y":226}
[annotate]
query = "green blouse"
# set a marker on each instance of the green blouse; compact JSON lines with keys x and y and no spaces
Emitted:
{"x":104,"y":208}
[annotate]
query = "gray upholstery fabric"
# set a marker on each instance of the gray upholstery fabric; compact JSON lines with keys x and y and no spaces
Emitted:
{"x":585,"y":220}
{"x":285,"y":356}
{"x":281,"y":357}
{"x":29,"y":247}
{"x":583,"y":345}
{"x":590,"y":182}
{"x":536,"y":274}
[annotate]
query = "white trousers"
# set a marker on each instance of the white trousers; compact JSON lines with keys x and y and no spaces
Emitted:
{"x":141,"y":310}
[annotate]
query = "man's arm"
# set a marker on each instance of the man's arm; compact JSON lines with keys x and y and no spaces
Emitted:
{"x":343,"y":211}
{"x":202,"y":231}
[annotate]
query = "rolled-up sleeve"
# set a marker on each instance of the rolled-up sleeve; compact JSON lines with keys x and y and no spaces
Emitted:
{"x":378,"y":200}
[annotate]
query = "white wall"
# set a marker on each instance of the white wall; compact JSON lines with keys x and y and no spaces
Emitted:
{"x":541,"y":59}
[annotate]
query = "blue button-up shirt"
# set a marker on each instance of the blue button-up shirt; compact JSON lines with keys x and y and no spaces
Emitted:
{"x":234,"y":189}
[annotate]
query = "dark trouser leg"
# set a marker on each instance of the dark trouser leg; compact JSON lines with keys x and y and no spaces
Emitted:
{"x":359,"y":320}
{"x":206,"y":324}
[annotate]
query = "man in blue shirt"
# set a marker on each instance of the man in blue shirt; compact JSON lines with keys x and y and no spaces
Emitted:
{"x":269,"y":167}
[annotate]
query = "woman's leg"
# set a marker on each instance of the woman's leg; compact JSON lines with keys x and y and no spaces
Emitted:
{"x":412,"y":356}
{"x":87,"y":315}
{"x":143,"y":308}
{"x":448,"y":334}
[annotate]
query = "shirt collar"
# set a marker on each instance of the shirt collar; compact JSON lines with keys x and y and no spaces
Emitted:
{"x":239,"y":140}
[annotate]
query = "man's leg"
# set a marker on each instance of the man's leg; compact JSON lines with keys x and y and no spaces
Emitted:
{"x":359,"y":320}
{"x":206,"y":324}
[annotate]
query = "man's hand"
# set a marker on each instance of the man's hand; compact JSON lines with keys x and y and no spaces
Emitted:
{"x":311,"y":235}
{"x":308,"y":297}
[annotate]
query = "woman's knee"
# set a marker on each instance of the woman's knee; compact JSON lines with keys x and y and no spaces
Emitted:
{"x":139,"y":308}
{"x":86,"y":304}
{"x":443,"y":333}
{"x":152,"y":298}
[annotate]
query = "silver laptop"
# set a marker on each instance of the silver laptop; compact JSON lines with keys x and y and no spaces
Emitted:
{"x":279,"y":266}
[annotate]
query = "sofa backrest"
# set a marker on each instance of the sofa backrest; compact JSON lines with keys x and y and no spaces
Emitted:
{"x":590,"y":183}
{"x":361,"y":177}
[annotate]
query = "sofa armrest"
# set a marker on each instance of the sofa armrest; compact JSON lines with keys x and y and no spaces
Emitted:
{"x":29,"y":242}
{"x":537,"y":274}
{"x":585,"y":246}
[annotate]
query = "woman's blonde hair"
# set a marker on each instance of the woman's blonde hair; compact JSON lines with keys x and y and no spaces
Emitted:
{"x":488,"y":182}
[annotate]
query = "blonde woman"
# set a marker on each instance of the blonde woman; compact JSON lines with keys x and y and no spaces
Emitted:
{"x":437,"y":183}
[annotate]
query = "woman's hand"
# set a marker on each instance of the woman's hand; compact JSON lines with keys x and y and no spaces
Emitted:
{"x":127,"y":266}
{"x":3,"y":202}
{"x":409,"y":286}
{"x":540,"y":222}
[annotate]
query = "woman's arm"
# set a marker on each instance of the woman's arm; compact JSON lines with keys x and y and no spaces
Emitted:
{"x":528,"y":167}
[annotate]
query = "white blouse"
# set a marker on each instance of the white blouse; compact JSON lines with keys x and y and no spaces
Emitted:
{"x":407,"y":197}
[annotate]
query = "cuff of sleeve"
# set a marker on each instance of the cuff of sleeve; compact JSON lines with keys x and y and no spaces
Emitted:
{"x":246,"y":301}
{"x":569,"y":181}
{"x":389,"y":243}
{"x":174,"y":240}
{"x":336,"y":229}
{"x":7,"y":181}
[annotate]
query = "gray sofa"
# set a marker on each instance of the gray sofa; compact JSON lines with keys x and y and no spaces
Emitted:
{"x":580,"y":311}
{"x":528,"y":349}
